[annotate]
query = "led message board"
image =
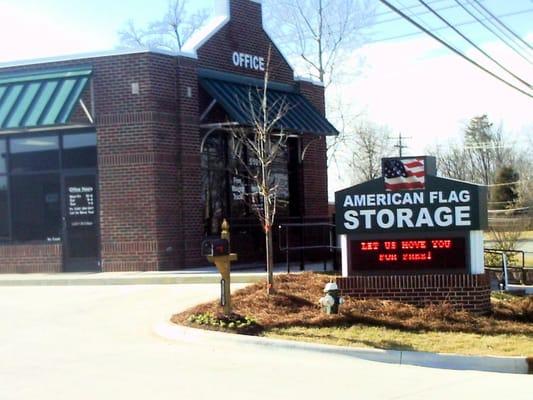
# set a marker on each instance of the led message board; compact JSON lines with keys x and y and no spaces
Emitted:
{"x":408,"y":254}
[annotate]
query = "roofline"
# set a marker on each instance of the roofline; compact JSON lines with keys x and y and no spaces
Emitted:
{"x":313,"y":81}
{"x":98,"y":54}
{"x":207,"y":32}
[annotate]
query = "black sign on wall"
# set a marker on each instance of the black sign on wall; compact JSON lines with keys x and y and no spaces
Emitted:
{"x":437,"y":204}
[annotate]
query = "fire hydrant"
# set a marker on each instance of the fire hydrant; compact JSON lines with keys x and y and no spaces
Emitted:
{"x":332,"y":300}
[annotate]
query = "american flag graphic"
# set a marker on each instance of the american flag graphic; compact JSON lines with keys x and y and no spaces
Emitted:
{"x":404,"y":174}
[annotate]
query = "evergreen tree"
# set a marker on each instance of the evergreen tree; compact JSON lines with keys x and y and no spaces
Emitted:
{"x":505,"y":194}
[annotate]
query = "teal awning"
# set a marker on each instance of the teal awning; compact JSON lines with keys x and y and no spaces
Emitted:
{"x":242,"y":101}
{"x":44,"y":98}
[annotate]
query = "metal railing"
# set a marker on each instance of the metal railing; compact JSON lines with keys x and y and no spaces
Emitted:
{"x":509,"y":272}
{"x":328,"y":244}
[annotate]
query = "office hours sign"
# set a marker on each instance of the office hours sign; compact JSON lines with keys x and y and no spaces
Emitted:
{"x":81,"y":205}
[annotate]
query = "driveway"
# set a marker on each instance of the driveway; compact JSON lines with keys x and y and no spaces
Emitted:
{"x":96,"y":342}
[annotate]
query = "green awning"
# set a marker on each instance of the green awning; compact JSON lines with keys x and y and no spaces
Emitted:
{"x":44,"y":98}
{"x":243,"y":101}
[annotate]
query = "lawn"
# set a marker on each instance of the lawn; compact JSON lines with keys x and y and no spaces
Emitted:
{"x":293,"y":313}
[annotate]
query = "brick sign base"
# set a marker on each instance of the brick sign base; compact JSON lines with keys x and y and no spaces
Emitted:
{"x":462,"y":291}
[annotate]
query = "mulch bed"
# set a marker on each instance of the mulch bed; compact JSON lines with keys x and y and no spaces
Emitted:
{"x":295,"y":303}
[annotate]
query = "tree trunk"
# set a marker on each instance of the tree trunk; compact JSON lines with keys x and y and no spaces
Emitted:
{"x":269,"y":260}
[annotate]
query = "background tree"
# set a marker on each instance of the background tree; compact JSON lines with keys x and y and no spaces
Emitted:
{"x":170,"y":33}
{"x":316,"y":34}
{"x":370,"y":144}
{"x":319,"y":37}
{"x":505,"y":192}
{"x":263,"y":141}
{"x":479,"y":155}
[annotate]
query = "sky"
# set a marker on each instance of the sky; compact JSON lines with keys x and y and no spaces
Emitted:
{"x":399,"y":78}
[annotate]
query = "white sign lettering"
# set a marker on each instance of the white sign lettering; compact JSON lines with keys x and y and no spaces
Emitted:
{"x":248,"y":61}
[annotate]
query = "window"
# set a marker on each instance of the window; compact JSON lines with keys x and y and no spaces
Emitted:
{"x":36,"y":209}
{"x":38,"y":153}
{"x":3,"y":157}
{"x":227,"y":188}
{"x":4,"y":208}
{"x":79,"y":150}
{"x":214,"y":181}
{"x":30,"y":182}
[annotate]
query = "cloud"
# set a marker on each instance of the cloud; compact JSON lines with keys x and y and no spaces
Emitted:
{"x":429,"y":94}
{"x":29,"y":31}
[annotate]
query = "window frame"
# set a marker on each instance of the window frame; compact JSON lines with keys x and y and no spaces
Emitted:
{"x":61,"y":171}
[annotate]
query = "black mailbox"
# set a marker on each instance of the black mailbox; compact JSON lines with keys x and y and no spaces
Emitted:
{"x":215,"y":247}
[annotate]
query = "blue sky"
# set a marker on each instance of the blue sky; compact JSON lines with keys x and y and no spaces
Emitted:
{"x":411,"y":84}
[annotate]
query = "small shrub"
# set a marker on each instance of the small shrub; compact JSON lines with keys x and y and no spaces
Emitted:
{"x":232,"y":322}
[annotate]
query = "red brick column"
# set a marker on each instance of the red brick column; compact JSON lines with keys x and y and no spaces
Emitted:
{"x":462,"y":291}
{"x":136,"y":160}
{"x":314,"y":167}
{"x":189,"y":187}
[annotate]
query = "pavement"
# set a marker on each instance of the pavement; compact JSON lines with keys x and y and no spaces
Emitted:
{"x":97,"y":342}
{"x":248,"y":274}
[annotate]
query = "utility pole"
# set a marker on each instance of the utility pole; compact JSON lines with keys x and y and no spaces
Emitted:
{"x":400,"y":146}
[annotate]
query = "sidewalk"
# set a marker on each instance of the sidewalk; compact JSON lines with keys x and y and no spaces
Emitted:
{"x":243,"y":273}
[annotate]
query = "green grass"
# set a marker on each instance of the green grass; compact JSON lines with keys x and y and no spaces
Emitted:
{"x":393,"y":339}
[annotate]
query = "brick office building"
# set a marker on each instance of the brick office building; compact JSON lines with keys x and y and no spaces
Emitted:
{"x":122,"y":161}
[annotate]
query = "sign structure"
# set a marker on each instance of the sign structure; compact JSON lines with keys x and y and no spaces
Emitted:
{"x":410,"y":220}
{"x":439,"y":205}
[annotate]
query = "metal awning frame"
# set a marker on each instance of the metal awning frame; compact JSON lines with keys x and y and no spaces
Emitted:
{"x":32,"y":85}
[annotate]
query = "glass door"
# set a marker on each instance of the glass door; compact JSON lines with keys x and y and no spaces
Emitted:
{"x":81,"y":232}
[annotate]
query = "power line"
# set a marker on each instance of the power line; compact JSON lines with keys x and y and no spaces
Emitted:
{"x":412,"y":14}
{"x":497,"y":26}
{"x":453,"y":48}
{"x":406,"y":8}
{"x":503,"y":25}
{"x":445,"y":27}
{"x":473,"y":44}
{"x":504,"y":40}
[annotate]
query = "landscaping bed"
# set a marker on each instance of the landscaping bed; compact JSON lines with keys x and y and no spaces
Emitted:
{"x":293,"y":313}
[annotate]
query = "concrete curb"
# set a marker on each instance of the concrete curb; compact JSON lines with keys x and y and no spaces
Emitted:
{"x":134,"y":280}
{"x":513,"y":365}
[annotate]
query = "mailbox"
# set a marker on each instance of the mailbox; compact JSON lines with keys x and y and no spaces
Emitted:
{"x":215,"y":247}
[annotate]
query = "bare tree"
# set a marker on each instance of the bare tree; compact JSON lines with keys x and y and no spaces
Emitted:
{"x":369,"y":146}
{"x":263,"y":141}
{"x":479,"y":155}
{"x":169,"y":33}
{"x":319,"y":32}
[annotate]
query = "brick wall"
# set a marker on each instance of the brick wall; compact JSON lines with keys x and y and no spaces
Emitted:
{"x":462,"y":291}
{"x":137,"y":152}
{"x":136,"y":158}
{"x":30,"y":258}
{"x":244,"y":33}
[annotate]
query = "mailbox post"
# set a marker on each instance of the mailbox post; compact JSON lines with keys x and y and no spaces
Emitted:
{"x":217,"y":252}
